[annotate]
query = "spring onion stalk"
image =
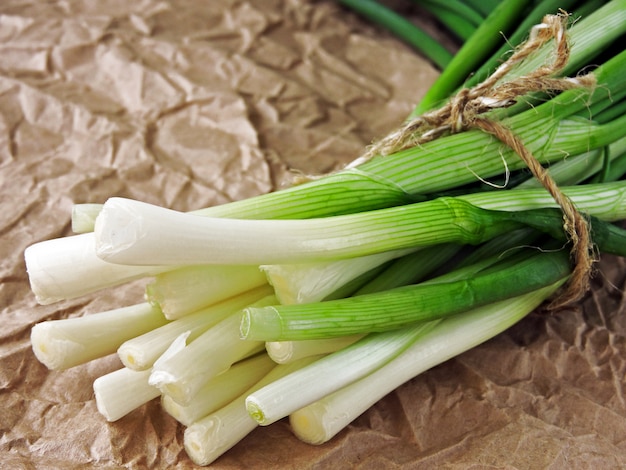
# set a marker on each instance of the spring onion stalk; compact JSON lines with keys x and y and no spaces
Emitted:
{"x":320,"y":421}
{"x":459,"y":27}
{"x":605,"y":201}
{"x":130,"y":232}
{"x":311,"y":383}
{"x":410,"y":269}
{"x":402,"y":28}
{"x":578,"y":168}
{"x":65,"y":343}
{"x":141,"y":351}
{"x":312,"y":282}
{"x":473,"y":52}
{"x":307,"y":283}
{"x":65,"y":268}
{"x":220,"y":390}
{"x":150,"y":231}
{"x":183,"y":374}
{"x":210,"y":437}
{"x":406,"y":270}
{"x":484,"y":7}
{"x":284,"y":352}
{"x":185,"y":290}
{"x":403,"y":305}
{"x":459,"y":8}
{"x":84,"y":217}
{"x":122,"y":391}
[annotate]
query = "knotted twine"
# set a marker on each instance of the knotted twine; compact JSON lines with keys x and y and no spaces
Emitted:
{"x":464,"y":111}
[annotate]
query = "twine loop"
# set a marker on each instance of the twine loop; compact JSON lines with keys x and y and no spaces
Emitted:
{"x":466,"y":111}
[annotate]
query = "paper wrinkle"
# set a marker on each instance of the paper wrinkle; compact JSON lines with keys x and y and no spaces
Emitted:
{"x":192,"y":104}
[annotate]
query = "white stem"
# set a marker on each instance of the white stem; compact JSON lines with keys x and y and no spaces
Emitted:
{"x":283,"y":352}
{"x":122,"y":391}
{"x":190,"y":288}
{"x":184,"y":374}
{"x":65,"y":268}
{"x":312,"y":282}
{"x":220,"y":390}
{"x":140,"y":352}
{"x":60,"y":344}
{"x":209,"y":438}
{"x":84,"y":217}
{"x":134,"y":232}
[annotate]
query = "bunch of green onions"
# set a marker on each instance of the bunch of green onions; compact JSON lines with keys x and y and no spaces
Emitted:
{"x":315,"y":301}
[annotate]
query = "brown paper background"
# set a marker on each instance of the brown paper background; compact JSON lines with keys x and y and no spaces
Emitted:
{"x":188,"y":104}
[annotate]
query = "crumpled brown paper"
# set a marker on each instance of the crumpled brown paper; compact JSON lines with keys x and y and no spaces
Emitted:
{"x":190,"y":104}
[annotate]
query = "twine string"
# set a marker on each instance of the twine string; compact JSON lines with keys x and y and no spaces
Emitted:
{"x":465,"y":111}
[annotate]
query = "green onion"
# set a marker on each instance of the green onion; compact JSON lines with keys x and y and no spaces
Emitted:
{"x":604,"y":201}
{"x":315,"y":281}
{"x":185,"y":290}
{"x":577,"y":169}
{"x":132,"y":232}
{"x":473,"y":52}
{"x":66,"y":268}
{"x":61,"y":344}
{"x":210,"y":437}
{"x":220,"y":390}
{"x":284,"y":396}
{"x":141,"y":351}
{"x":182,"y":374}
{"x":319,"y":422}
{"x":284,"y":352}
{"x":403,"y":305}
{"x":122,"y":391}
